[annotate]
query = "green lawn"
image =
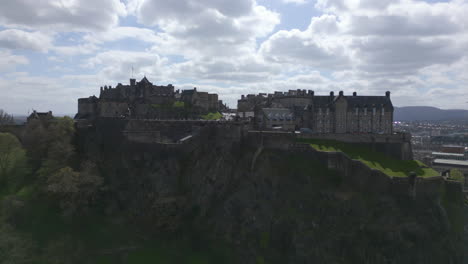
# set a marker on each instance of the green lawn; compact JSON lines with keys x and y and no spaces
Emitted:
{"x":212,"y":116}
{"x":376,"y":160}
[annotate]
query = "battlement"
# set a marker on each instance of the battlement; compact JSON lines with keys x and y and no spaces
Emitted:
{"x":143,"y":99}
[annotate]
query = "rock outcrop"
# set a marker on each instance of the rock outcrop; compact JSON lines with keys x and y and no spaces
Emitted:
{"x":285,"y":208}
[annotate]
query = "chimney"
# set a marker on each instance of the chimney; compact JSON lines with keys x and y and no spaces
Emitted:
{"x":242,"y":97}
{"x":311,"y":93}
{"x":387,"y":93}
{"x":341,"y":93}
{"x":132,"y":82}
{"x":354,"y":94}
{"x":332,"y":93}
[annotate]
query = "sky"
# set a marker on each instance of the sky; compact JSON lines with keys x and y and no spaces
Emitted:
{"x":53,"y":52}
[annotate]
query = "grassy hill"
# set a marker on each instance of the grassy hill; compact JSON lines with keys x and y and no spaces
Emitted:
{"x":376,"y":160}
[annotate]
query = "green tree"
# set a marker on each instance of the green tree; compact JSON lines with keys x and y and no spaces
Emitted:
{"x":457,"y":175}
{"x":49,"y":144}
{"x":13,"y":162}
{"x":76,"y":191}
{"x":5,"y":118}
{"x":14,"y":247}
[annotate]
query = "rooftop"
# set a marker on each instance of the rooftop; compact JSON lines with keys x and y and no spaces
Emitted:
{"x":451,"y":162}
{"x":447,"y":154}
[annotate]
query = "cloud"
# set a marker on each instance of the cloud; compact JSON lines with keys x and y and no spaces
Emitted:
{"x":297,"y":2}
{"x":206,"y":27}
{"x":318,"y":46}
{"x":119,"y":33}
{"x":9,"y":61}
{"x":62,"y":15}
{"x":117,"y":65}
{"x":245,"y":69}
{"x":18,"y":39}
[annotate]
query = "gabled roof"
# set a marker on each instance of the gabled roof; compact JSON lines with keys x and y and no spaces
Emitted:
{"x":144,"y":80}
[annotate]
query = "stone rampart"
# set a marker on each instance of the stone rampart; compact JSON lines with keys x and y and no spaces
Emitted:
{"x":355,"y":173}
{"x":395,"y":145}
{"x":366,"y":179}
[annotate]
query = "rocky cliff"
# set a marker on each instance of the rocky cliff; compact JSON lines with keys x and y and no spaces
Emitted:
{"x":271,"y":206}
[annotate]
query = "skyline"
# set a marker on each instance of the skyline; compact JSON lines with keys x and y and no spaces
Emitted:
{"x":54,"y":52}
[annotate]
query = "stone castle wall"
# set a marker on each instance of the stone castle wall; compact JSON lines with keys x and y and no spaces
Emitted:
{"x":354,"y":172}
{"x":394,"y":145}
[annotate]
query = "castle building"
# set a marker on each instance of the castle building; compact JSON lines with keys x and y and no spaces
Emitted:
{"x":41,"y":116}
{"x":322,"y":114}
{"x":145,"y":100}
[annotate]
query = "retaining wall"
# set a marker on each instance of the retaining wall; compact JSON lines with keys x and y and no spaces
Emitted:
{"x":355,"y":173}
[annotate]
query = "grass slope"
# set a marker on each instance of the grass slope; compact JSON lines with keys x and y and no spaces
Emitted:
{"x":376,"y":160}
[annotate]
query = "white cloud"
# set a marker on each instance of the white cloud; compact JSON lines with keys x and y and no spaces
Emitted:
{"x":206,"y":27}
{"x":9,"y":61}
{"x":316,"y":47}
{"x":245,"y":69}
{"x":63,"y":15}
{"x":119,"y":33}
{"x":297,"y":2}
{"x":117,"y":65}
{"x":18,"y":39}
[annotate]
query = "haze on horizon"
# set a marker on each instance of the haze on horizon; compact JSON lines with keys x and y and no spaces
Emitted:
{"x":53,"y":52}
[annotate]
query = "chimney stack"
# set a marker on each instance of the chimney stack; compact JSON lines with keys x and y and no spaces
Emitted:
{"x":387,"y":93}
{"x":341,"y":93}
{"x":332,"y":93}
{"x":354,"y":94}
{"x":132,"y":82}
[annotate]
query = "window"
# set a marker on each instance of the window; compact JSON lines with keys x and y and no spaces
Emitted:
{"x":373,"y":111}
{"x":356,"y":111}
{"x":365,"y":111}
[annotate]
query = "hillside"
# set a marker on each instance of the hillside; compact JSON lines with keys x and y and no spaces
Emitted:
{"x":427,"y":113}
{"x":208,"y":202}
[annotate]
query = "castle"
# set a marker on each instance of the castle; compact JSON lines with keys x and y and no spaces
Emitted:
{"x":292,"y":110}
{"x":298,"y":109}
{"x":144,"y":100}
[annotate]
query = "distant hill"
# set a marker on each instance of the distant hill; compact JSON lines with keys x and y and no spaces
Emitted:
{"x":414,"y":113}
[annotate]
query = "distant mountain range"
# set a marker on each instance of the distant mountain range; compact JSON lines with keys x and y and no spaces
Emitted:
{"x":428,"y":113}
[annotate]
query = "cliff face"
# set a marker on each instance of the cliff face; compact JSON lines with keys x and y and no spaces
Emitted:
{"x":272,"y":206}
